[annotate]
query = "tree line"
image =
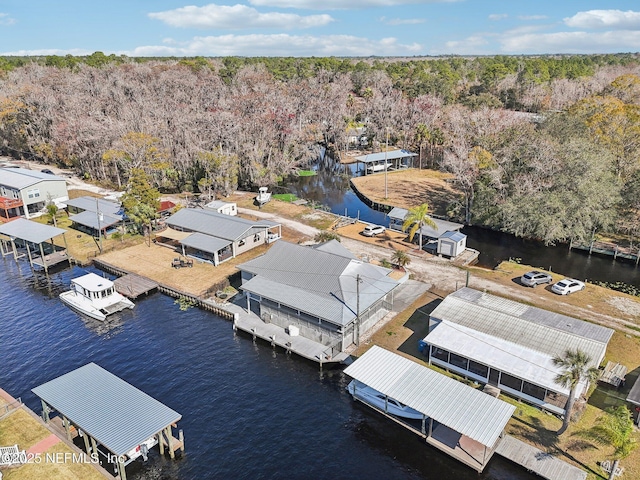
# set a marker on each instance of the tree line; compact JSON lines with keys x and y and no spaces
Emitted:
{"x":544,"y":147}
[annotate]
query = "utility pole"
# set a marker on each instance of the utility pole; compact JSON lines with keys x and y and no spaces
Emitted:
{"x":99,"y":214}
{"x":385,"y":164}
{"x":358,"y":280}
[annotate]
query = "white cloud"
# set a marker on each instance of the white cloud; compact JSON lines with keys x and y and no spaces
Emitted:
{"x":609,"y":19}
{"x":340,"y":4}
{"x":5,"y":19}
{"x":532,"y":17}
{"x":573,"y":42}
{"x":472,"y":45}
{"x":497,"y":16}
{"x":281,"y":45}
{"x":402,"y":21}
{"x":236,"y":17}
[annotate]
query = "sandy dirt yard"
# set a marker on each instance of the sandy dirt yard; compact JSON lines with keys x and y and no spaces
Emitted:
{"x":408,"y":188}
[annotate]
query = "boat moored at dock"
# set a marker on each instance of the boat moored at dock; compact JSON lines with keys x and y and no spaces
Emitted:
{"x":373,"y":397}
{"x":95,"y":296}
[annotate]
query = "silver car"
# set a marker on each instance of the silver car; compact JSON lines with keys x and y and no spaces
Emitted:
{"x":531,"y":279}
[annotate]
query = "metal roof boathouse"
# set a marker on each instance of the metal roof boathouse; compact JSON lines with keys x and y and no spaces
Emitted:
{"x":461,"y":421}
{"x":110,"y":413}
{"x":36,"y":239}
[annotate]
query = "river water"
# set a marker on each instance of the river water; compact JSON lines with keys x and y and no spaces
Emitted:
{"x":331,"y":187}
{"x":248,"y":412}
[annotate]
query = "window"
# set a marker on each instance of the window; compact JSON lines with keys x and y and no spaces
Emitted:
{"x":256,"y":237}
{"x":440,"y":354}
{"x":478,"y":369}
{"x":458,"y":361}
{"x":33,"y":193}
{"x":241,"y":243}
{"x":494,"y":376}
{"x":533,"y":390}
{"x":511,"y":381}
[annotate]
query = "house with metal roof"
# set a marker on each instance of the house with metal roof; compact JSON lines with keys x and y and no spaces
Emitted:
{"x":94,"y":215}
{"x":509,"y":345}
{"x":112,"y":415}
{"x":23,"y":193}
{"x":457,"y":419}
{"x":322,"y":291}
{"x":633,"y":398}
{"x":214,"y":237}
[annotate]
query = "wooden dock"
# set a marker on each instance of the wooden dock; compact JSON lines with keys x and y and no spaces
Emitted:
{"x":133,"y":286}
{"x":278,"y":336}
{"x":543,"y":464}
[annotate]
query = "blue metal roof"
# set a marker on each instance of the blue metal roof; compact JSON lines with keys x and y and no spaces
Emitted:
{"x":114,"y":412}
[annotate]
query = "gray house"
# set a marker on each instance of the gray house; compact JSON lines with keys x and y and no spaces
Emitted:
{"x":25,"y":192}
{"x":214,"y":237}
{"x":509,"y":345}
{"x":330,"y":296}
{"x":93,"y":215}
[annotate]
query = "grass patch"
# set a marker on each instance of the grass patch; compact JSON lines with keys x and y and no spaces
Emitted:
{"x":285,"y":197}
{"x":53,"y":468}
{"x":307,"y":173}
{"x":20,"y":428}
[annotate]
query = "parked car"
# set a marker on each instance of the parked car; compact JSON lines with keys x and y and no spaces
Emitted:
{"x":47,"y":171}
{"x":373,"y":230}
{"x":567,"y":286}
{"x":531,"y":279}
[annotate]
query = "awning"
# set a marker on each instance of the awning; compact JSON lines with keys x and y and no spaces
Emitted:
{"x":205,"y":243}
{"x":172,"y":234}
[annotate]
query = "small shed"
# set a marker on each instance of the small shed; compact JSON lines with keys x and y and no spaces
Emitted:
{"x":226,"y":208}
{"x":452,"y":244}
{"x":111,"y":413}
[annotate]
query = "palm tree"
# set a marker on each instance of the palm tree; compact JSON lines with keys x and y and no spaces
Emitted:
{"x":400,"y":258}
{"x":576,"y":370}
{"x":416,"y":219}
{"x":615,"y":428}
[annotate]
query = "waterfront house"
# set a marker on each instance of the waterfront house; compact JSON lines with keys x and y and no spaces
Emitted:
{"x":95,"y":215}
{"x":24,"y":193}
{"x":633,"y":398}
{"x":509,"y":345}
{"x":214,"y":237}
{"x":322,"y":291}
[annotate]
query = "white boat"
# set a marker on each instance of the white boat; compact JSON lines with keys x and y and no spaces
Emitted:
{"x":95,"y":296}
{"x":263,"y":196}
{"x":379,"y":167}
{"x":387,"y":404}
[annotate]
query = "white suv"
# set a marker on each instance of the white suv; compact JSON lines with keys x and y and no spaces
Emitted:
{"x":373,"y":230}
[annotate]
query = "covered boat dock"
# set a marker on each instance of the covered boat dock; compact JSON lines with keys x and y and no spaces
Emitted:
{"x":110,"y":414}
{"x":388,"y":160}
{"x":36,"y":239}
{"x":461,"y":421}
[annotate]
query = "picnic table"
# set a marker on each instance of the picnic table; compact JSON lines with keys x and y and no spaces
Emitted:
{"x":181,"y":262}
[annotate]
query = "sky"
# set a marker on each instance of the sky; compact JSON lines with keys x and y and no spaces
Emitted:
{"x":319,"y":28}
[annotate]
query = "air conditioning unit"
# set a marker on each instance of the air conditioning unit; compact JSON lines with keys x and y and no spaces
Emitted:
{"x":294,"y":331}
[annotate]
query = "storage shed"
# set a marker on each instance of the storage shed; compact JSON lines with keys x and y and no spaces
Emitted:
{"x":452,"y":244}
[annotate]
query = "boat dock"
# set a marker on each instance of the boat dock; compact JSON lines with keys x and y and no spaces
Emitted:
{"x":277,"y":336}
{"x":609,"y":249}
{"x":133,"y":286}
{"x":543,"y":464}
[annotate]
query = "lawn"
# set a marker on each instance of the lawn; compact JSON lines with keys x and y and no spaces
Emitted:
{"x":284,"y":197}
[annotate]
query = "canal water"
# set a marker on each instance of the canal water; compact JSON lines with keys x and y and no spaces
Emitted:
{"x":330,"y":187}
{"x":248,"y":411}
